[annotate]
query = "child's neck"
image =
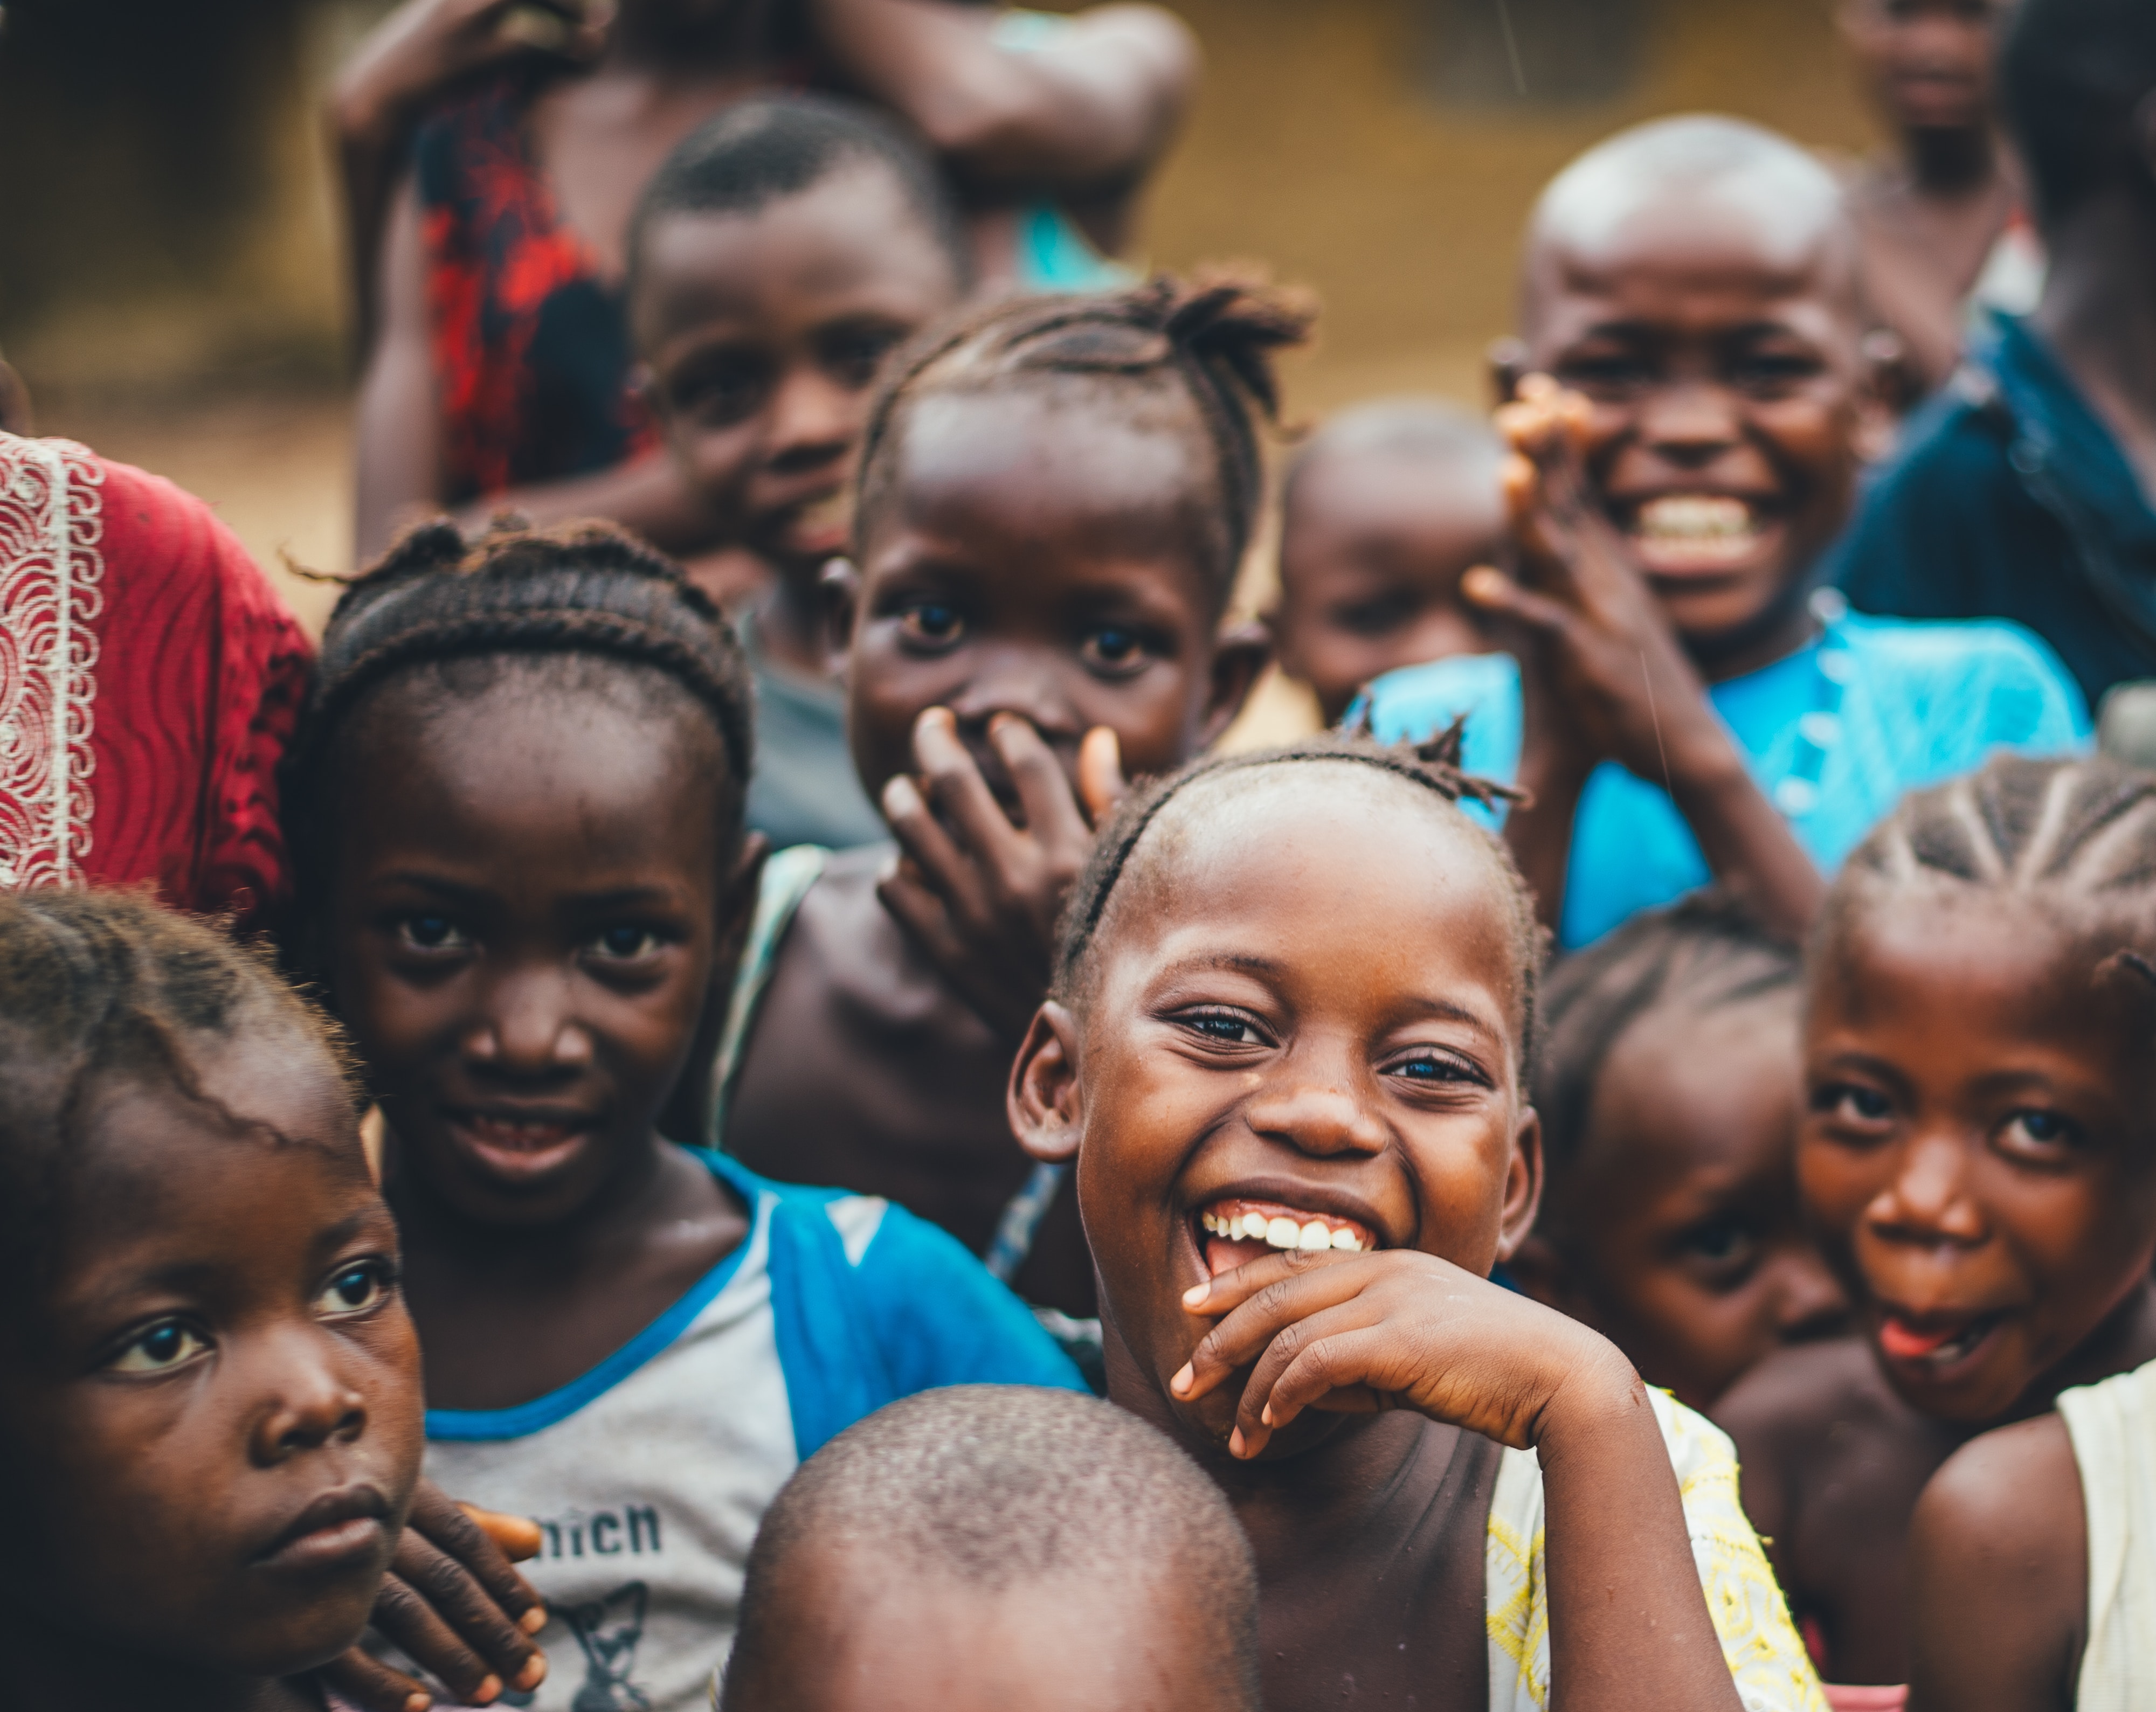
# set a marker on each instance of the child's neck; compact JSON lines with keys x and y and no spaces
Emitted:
{"x":791,"y":625}
{"x":53,"y":1672}
{"x":640,"y":1191}
{"x":2098,"y":313}
{"x":1945,"y":165}
{"x":2125,"y":1341}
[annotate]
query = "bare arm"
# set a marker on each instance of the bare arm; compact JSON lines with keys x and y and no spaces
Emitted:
{"x":399,"y":417}
{"x":1998,"y":1576}
{"x":1092,"y":108}
{"x":646,"y":495}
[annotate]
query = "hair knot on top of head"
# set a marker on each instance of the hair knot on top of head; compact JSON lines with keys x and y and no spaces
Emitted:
{"x":1209,"y":341}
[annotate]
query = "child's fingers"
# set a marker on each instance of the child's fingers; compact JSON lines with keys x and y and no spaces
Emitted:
{"x":455,"y":1531}
{"x":953,"y":781}
{"x":1328,"y":1367}
{"x":1100,"y":782}
{"x":1253,"y":1304}
{"x":939,"y":866}
{"x":434,"y":1609}
{"x":924,"y":916}
{"x":1494,"y":595}
{"x":1052,"y":814}
{"x":517,"y":1538}
{"x":366,"y":1682}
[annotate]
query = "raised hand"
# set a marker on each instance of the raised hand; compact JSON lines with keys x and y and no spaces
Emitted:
{"x":425,"y":46}
{"x":978,"y":887}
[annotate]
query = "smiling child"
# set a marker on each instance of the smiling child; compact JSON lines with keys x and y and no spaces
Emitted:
{"x":1979,"y":1157}
{"x":518,"y":813}
{"x":779,"y":255}
{"x":1665,"y":1075}
{"x":1055,"y":498}
{"x":209,"y":1387}
{"x":1690,"y":713}
{"x":1285,"y":1055}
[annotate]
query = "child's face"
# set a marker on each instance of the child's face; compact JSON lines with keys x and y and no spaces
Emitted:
{"x":860,"y":1639}
{"x":524,"y":909}
{"x":1040,"y":560}
{"x":1307,"y":1009}
{"x":1681,"y":1228}
{"x":1928,"y":61}
{"x":1977,"y":1149}
{"x":1372,"y":551}
{"x":212,"y":1425}
{"x":1720,"y":354}
{"x":763,"y":333}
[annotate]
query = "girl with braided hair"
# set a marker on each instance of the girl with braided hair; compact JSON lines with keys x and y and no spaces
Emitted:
{"x":1052,"y":499}
{"x":1285,"y":1057}
{"x":518,"y":796}
{"x":1979,"y":1156}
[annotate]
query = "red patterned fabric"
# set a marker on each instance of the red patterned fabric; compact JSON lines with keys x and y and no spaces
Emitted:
{"x":149,"y":677}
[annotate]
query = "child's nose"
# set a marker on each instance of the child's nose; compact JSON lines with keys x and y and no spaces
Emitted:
{"x":1926,"y":1200}
{"x":312,"y":1404}
{"x":1009,"y":680}
{"x":813,"y":419}
{"x":1317,"y":1119}
{"x":530,"y":1026}
{"x":1690,"y":422}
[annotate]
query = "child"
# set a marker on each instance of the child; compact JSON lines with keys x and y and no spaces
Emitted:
{"x":993,"y":1547}
{"x":518,"y":818}
{"x":1381,"y":514}
{"x":776,"y":259}
{"x":209,"y":1386}
{"x":1689,"y":713}
{"x":1293,"y":997}
{"x":1978,"y":1157}
{"x":2029,"y":490}
{"x":1054,"y":496}
{"x":1666,"y":1080}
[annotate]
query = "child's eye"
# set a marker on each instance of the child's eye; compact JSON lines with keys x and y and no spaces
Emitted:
{"x":2038,"y":1133}
{"x":1113,"y":651}
{"x":1605,"y":375}
{"x":1726,"y":1246}
{"x":1375,"y":617}
{"x":625,"y":944}
{"x":354,"y":1291}
{"x":1225,"y":1026}
{"x":431,"y":933}
{"x":1768,"y":371}
{"x":721,"y":391}
{"x":168,"y":1344}
{"x":1851,"y":1104}
{"x":932,"y":623}
{"x":1434,"y":1068}
{"x":855,"y":356}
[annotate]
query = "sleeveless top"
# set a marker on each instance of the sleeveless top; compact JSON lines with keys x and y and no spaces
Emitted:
{"x":2112,"y":1426}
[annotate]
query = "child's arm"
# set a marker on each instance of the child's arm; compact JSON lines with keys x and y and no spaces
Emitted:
{"x":1998,"y":1576}
{"x":1607,"y":679}
{"x":1628,"y":1624}
{"x":980,"y":894}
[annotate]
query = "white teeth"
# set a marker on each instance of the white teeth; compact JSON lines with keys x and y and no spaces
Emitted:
{"x":1254,"y":1226}
{"x":1283,"y":1233}
{"x":1279,"y":1231}
{"x":1317,"y":1234}
{"x":1346,"y":1239}
{"x":1695,"y":517}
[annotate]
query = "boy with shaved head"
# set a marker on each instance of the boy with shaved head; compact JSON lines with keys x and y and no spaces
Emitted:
{"x":2028,"y":490}
{"x":1691,"y":406}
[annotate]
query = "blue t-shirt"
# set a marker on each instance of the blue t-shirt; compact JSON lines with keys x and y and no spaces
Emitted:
{"x":1835,"y":733}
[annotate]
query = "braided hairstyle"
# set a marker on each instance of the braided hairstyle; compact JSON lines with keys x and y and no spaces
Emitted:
{"x":1196,"y":356}
{"x":460,"y":613}
{"x":1433,"y":766}
{"x":1706,"y":951}
{"x":97,"y":983}
{"x":2076,"y":835}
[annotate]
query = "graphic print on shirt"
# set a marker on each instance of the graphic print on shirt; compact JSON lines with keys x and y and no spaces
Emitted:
{"x":608,"y":1630}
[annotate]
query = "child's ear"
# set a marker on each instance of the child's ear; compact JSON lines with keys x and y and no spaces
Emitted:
{"x":1507,"y":358}
{"x":1524,"y":1186}
{"x":840,"y":587}
{"x":1238,"y":657}
{"x":1046,"y":1112}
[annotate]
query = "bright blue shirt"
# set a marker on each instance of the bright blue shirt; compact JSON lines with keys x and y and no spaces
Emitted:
{"x":1835,"y":733}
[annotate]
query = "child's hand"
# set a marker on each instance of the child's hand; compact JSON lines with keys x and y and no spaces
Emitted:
{"x":979,"y":893}
{"x":426,"y":46}
{"x":1613,"y":676}
{"x":454,"y":1607}
{"x":1354,"y":1333}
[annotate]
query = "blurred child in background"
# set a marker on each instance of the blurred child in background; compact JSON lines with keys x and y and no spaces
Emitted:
{"x":1666,"y":1078}
{"x":1978,"y":1157}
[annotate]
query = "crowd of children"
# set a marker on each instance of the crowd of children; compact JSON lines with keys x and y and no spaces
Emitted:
{"x":681,"y":1076}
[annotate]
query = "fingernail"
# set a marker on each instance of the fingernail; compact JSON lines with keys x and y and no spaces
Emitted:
{"x":1196,"y":1293}
{"x":901,"y":797}
{"x":1265,"y":1414}
{"x":1183,"y":1380}
{"x":417,"y":1703}
{"x":534,"y":1671}
{"x":532,"y":1621}
{"x":488,"y":1691}
{"x":1235,"y":1443}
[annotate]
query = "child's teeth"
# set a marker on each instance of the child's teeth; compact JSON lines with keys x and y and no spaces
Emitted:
{"x":1347,"y":1240}
{"x":1315,"y":1235}
{"x":1283,"y":1233}
{"x":1254,"y":1226}
{"x":1695,"y":517}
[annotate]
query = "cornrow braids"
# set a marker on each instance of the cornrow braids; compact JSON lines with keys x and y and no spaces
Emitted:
{"x":97,"y":983}
{"x":1211,"y":339}
{"x":1433,"y":767}
{"x":2077,"y":833}
{"x":1707,"y":951}
{"x":581,"y":589}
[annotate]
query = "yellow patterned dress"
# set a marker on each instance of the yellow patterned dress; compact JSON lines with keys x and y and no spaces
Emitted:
{"x":1766,"y":1656}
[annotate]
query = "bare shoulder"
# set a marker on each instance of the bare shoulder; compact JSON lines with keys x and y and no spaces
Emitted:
{"x":1999,"y":1573}
{"x":1796,"y":1394}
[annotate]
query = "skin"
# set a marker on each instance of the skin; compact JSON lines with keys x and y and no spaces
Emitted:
{"x":1372,"y":552}
{"x":212,"y":1423}
{"x":762,"y":334}
{"x":531,"y":907}
{"x":1978,"y":1157}
{"x":1928,"y":211}
{"x":1032,"y":616}
{"x":1676,"y":1233}
{"x":851,"y":1637}
{"x":1084,"y":119}
{"x":1306,"y":992}
{"x":1711,"y":348}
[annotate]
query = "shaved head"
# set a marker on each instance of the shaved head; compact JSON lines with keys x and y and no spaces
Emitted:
{"x":1638,"y":196}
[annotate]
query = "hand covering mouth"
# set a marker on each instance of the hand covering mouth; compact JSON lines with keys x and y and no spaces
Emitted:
{"x":1235,"y":1232}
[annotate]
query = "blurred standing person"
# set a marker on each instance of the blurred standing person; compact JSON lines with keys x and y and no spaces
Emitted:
{"x":1940,"y":213}
{"x":490,"y":183}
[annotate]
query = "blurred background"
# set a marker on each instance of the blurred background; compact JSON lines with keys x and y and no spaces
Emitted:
{"x":170,"y":290}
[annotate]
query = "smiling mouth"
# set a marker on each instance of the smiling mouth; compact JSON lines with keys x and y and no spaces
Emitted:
{"x":1689,"y":534}
{"x":1233,"y":1232}
{"x":519,"y":1147}
{"x":828,"y":518}
{"x":1936,"y":1346}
